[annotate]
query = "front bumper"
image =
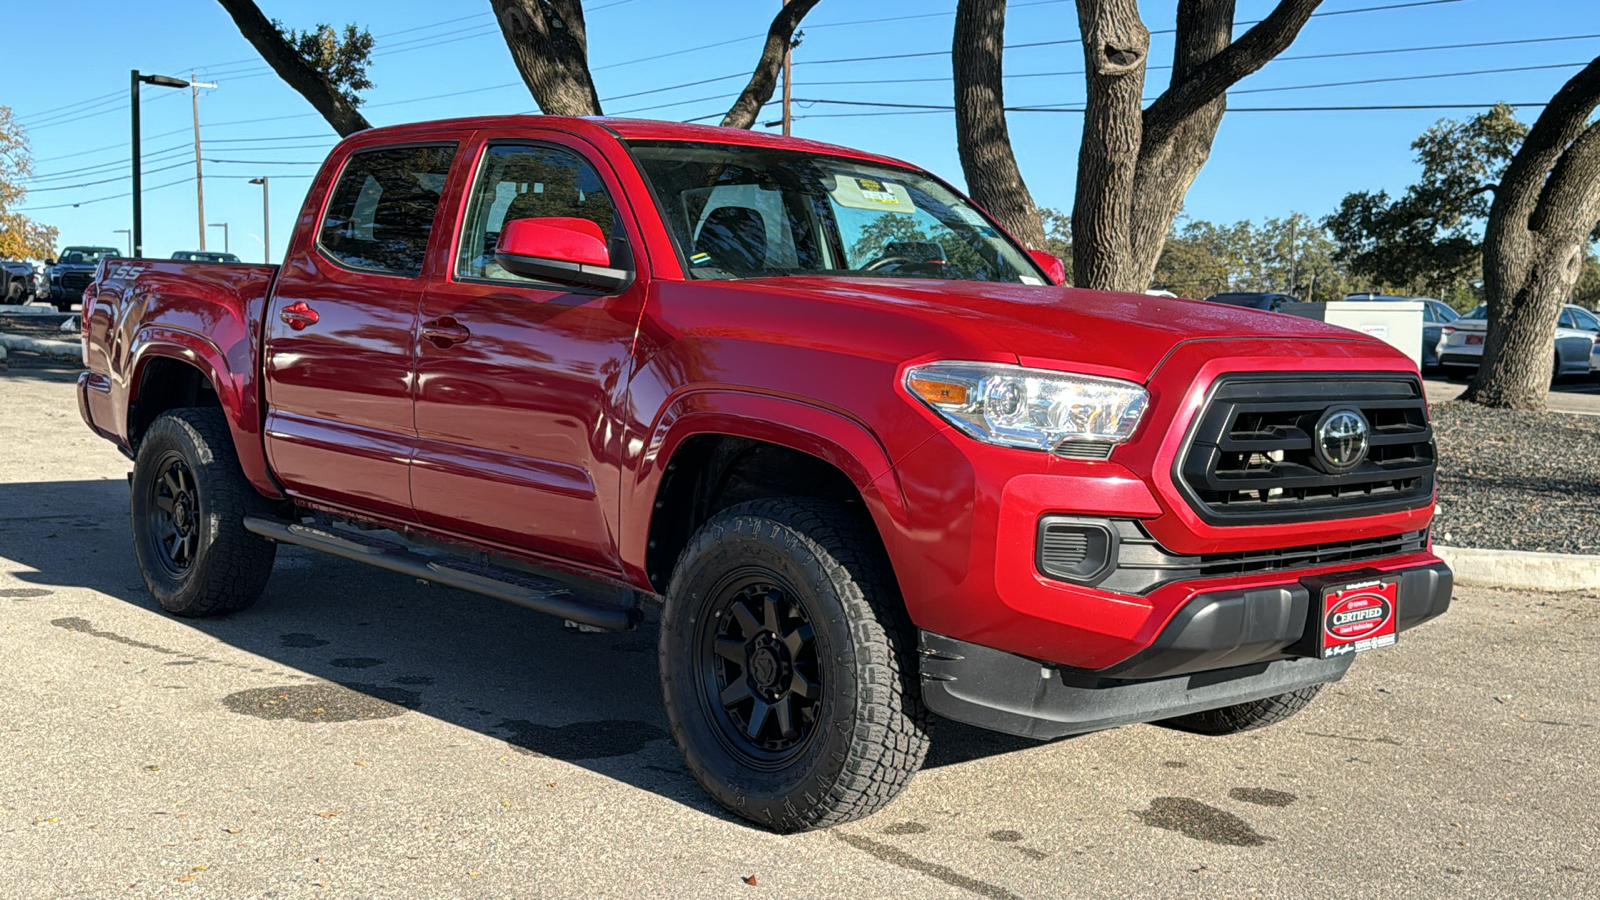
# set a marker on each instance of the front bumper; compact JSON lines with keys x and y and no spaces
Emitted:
{"x":1015,"y":695}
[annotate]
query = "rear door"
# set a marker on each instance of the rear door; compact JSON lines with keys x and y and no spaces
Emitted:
{"x":340,"y":331}
{"x":520,"y":383}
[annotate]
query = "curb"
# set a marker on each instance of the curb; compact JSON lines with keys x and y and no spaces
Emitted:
{"x":1522,"y":570}
{"x":57,"y":349}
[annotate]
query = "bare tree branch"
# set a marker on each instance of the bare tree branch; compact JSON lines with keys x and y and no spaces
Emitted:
{"x":299,"y":74}
{"x":765,"y":77}
{"x":1211,"y":79}
{"x":550,"y":46}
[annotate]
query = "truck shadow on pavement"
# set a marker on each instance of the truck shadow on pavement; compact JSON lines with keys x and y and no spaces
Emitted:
{"x":340,"y":642}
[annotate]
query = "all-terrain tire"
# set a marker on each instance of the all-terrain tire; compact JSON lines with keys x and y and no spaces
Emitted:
{"x":1245,"y":716}
{"x":201,"y":561}
{"x":816,"y":569}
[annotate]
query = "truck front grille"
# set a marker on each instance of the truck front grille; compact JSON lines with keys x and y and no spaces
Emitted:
{"x":1250,"y":457}
{"x":75,"y":282}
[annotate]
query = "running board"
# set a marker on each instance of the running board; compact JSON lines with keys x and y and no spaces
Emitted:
{"x":540,"y":594}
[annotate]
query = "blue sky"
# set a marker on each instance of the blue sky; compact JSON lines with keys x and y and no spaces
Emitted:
{"x":1263,"y":164}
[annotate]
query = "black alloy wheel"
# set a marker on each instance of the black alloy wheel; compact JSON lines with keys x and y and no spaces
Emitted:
{"x":188,"y":505}
{"x":760,"y":678}
{"x":174,"y":514}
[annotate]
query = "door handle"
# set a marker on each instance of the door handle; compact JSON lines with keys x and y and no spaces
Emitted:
{"x":444,"y":332}
{"x":298,"y":315}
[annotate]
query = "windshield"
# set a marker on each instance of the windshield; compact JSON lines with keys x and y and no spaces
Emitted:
{"x":751,"y":212}
{"x":86,"y":256}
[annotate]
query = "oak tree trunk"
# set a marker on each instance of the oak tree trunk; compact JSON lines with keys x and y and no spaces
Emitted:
{"x":993,"y":179}
{"x":1134,"y":194}
{"x":550,"y":47}
{"x":1544,"y":210}
{"x":1116,"y":46}
{"x":765,"y":77}
{"x":294,"y":70}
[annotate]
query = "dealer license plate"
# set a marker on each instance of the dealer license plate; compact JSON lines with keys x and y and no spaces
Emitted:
{"x":1474,"y":339}
{"x":1357,"y":616}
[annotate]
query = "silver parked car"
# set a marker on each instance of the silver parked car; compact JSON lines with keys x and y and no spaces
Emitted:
{"x":1460,"y":348}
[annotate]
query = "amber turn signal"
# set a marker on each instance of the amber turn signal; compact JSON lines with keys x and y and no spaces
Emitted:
{"x":936,"y":391}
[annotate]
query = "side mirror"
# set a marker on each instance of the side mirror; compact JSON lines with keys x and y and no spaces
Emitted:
{"x":50,"y":261}
{"x":1053,"y":268}
{"x":560,"y":249}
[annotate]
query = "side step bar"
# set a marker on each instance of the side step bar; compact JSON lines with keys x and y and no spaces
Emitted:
{"x":540,"y":594}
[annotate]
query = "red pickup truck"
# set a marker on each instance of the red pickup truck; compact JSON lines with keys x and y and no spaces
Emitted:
{"x":871,"y":456}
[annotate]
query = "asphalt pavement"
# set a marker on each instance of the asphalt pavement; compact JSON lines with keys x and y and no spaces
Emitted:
{"x":356,"y":734}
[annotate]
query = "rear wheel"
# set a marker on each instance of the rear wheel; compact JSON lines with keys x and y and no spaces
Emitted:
{"x":189,"y":501}
{"x":1246,"y":716}
{"x":788,"y":666}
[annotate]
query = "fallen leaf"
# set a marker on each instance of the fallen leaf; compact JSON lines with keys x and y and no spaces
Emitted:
{"x":749,"y":879}
{"x":549,"y":784}
{"x":231,"y":830}
{"x":328,"y":814}
{"x":474,"y":874}
{"x":361,"y":762}
{"x":505,"y":802}
{"x":198,"y":869}
{"x":187,"y":877}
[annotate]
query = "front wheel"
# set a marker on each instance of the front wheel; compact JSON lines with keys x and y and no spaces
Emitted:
{"x":189,"y":501}
{"x":1246,"y":716}
{"x":788,"y":666}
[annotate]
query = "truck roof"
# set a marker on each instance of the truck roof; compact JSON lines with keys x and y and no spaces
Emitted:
{"x":600,"y":127}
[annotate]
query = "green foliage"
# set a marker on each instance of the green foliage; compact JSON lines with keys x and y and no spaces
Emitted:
{"x":20,"y":236}
{"x":1429,"y":240}
{"x":1587,"y":292}
{"x":1058,"y":236}
{"x":343,"y":61}
{"x":1292,"y":255}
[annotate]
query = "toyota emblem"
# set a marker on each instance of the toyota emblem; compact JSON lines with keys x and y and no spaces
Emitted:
{"x":1341,"y":440}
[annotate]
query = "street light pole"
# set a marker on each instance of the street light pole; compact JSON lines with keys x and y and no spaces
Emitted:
{"x":266,"y":222}
{"x":129,"y":233}
{"x":224,"y":227}
{"x":134,"y":79}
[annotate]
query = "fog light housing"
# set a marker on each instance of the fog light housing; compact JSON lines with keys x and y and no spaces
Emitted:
{"x":1082,"y":551}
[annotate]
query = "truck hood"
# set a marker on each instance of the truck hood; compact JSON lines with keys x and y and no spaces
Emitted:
{"x":1124,"y":335}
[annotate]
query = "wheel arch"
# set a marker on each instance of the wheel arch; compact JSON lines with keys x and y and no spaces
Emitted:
{"x":178,"y":369}
{"x":713,"y":450}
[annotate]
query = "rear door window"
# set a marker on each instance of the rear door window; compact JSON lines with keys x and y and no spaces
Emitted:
{"x":382,"y":209}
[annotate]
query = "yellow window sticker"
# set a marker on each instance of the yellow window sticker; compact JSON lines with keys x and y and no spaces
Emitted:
{"x":871,"y":193}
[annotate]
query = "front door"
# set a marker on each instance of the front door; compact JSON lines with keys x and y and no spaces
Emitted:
{"x":519,"y":382}
{"x":339,"y":334}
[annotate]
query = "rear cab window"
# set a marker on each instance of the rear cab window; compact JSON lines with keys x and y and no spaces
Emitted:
{"x":382,"y":209}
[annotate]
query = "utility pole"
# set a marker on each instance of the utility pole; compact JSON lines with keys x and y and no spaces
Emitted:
{"x":199,"y":182}
{"x":786,"y":79}
{"x":134,"y":80}
{"x":224,"y":227}
{"x":266,"y":222}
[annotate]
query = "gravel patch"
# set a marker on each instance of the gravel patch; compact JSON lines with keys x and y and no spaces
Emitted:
{"x":1517,"y":480}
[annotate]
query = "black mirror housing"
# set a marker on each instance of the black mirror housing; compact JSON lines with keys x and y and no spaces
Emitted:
{"x":604,"y":279}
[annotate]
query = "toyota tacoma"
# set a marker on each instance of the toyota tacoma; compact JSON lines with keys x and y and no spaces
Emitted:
{"x":871,"y":456}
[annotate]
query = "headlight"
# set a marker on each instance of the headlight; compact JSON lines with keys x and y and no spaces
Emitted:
{"x":1034,"y":408}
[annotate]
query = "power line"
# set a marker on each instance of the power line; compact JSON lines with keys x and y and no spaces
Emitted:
{"x":1287,"y":58}
{"x":1076,"y":38}
{"x":913,"y":108}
